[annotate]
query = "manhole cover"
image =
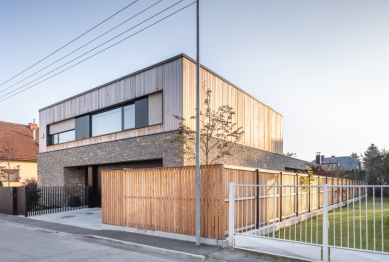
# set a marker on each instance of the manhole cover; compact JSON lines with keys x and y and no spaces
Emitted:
{"x":88,"y":213}
{"x":67,"y":216}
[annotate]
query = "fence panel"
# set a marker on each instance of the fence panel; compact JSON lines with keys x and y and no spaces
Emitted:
{"x":163,"y":199}
{"x":53,"y":199}
{"x":353,"y":230}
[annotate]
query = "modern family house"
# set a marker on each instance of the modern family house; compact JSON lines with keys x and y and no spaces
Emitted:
{"x":18,"y":152}
{"x":128,"y":123}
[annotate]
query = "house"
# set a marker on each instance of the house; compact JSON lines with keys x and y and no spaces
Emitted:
{"x":128,"y":123}
{"x":347,"y":163}
{"x":18,"y":152}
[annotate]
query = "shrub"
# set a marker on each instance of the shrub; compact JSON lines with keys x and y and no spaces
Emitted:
{"x":33,"y":193}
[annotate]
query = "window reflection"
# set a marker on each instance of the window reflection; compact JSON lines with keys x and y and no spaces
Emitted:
{"x":129,"y":116}
{"x":64,"y":137}
{"x":107,"y":122}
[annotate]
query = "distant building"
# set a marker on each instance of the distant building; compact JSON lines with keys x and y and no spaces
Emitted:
{"x":348,"y":163}
{"x":18,"y":146}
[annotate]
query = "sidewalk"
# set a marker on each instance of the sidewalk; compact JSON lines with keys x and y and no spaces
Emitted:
{"x":175,"y":248}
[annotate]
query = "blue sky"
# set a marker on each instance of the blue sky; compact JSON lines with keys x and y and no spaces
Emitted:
{"x":322,"y":64}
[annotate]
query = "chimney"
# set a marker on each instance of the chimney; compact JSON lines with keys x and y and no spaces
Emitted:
{"x":33,"y":127}
{"x":318,"y":158}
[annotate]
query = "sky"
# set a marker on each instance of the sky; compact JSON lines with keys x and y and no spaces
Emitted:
{"x":324,"y":65}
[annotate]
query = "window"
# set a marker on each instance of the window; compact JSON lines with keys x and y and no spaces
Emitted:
{"x":107,"y":122}
{"x":129,"y":116}
{"x":61,"y":132}
{"x":138,"y":113}
{"x":11,"y":175}
{"x":64,"y":137}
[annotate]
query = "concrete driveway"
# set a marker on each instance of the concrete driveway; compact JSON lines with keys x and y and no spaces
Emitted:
{"x":86,"y":218}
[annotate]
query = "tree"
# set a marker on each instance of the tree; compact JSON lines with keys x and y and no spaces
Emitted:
{"x":376,"y":163}
{"x":7,"y":154}
{"x":218,"y":133}
{"x":355,"y":155}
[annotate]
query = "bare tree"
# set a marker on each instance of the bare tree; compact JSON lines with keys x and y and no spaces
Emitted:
{"x":7,"y":154}
{"x":218,"y":133}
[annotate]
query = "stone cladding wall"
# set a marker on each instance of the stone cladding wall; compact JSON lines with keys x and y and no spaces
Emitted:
{"x":257,"y":158}
{"x":61,"y":167}
{"x":66,"y":167}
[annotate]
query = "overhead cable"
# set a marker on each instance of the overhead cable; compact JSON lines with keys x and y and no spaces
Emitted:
{"x":100,"y":51}
{"x":79,"y":48}
{"x":69,"y":42}
{"x":91,"y":49}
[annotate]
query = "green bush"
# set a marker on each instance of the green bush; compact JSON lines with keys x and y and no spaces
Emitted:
{"x":33,"y":193}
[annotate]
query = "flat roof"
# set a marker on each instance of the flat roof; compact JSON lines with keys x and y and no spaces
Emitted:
{"x":150,"y":67}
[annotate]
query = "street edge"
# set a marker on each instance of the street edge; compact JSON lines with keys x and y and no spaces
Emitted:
{"x":158,"y":250}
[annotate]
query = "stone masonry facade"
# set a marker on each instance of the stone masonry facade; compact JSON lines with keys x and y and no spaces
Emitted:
{"x":67,"y":167}
{"x":247,"y":156}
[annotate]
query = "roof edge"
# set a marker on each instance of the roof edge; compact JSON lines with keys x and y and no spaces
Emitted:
{"x":182,"y":55}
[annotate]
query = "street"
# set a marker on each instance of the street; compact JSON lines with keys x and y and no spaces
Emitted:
{"x":20,"y":243}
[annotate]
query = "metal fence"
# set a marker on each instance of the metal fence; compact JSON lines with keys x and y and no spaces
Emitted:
{"x":52,"y":199}
{"x":349,"y":223}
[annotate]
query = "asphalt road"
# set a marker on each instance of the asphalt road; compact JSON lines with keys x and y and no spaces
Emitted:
{"x":19,"y":243}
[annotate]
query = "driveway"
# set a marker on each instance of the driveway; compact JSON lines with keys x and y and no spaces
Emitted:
{"x":89,"y":218}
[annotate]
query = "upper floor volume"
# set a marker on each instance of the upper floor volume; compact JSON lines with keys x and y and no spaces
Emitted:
{"x":142,"y":103}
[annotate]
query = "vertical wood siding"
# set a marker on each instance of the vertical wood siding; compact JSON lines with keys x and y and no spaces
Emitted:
{"x":163,"y":199}
{"x":262,"y":125}
{"x":166,"y":77}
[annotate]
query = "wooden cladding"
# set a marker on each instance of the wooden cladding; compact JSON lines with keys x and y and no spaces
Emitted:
{"x":163,"y":199}
{"x":263,"y":126}
{"x":166,"y":77}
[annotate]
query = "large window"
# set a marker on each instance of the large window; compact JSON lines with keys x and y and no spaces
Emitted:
{"x":138,"y":113}
{"x":107,"y":122}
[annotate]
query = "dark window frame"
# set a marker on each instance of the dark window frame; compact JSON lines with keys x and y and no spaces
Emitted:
{"x":51,"y":137}
{"x":108,"y":108}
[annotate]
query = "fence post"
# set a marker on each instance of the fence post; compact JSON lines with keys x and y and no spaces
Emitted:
{"x":280,"y":192}
{"x":257,"y":223}
{"x":325,"y":223}
{"x":231,"y":212}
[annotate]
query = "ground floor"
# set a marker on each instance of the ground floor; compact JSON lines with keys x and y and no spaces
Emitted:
{"x":82,"y":166}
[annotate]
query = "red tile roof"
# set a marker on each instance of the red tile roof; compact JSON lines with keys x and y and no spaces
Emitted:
{"x":20,"y":139}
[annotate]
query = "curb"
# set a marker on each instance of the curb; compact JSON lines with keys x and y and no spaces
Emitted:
{"x":158,"y":250}
{"x":36,"y":228}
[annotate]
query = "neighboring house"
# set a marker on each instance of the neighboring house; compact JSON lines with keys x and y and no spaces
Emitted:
{"x":348,"y":163}
{"x":128,"y":123}
{"x":18,"y":147}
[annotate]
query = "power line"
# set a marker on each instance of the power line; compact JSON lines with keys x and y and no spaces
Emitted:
{"x":91,"y":49}
{"x":101,"y":51}
{"x":70,"y":42}
{"x":79,"y":48}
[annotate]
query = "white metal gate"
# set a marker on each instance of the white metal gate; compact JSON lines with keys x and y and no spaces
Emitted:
{"x":313,"y":223}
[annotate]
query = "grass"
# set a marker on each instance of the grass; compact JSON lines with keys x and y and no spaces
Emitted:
{"x":346,"y":231}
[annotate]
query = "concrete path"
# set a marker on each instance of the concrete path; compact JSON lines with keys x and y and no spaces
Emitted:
{"x":159,"y":245}
{"x":89,"y":218}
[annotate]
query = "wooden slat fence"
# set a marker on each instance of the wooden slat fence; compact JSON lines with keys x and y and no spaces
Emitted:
{"x":163,"y":199}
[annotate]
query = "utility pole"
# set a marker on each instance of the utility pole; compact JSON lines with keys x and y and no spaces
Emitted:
{"x":198,"y":215}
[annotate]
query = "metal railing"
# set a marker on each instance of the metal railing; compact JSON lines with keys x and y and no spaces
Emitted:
{"x":52,"y":199}
{"x":332,"y":218}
